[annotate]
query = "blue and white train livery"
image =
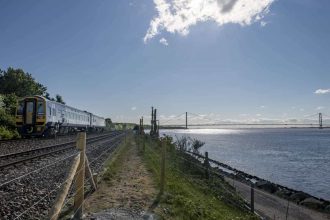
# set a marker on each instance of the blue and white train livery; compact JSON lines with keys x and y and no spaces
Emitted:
{"x":38,"y":116}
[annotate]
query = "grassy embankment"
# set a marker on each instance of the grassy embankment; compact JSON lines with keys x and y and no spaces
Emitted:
{"x":188,"y":193}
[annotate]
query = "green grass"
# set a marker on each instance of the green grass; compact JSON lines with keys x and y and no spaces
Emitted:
{"x":116,"y":161}
{"x":187,"y":194}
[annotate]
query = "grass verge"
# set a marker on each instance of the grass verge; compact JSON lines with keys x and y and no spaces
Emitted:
{"x":188,"y":195}
{"x":115,"y":162}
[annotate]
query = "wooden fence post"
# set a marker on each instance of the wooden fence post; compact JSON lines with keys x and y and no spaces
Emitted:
{"x":162,"y":167}
{"x":144,"y":143}
{"x":79,"y":184}
{"x":252,"y":198}
{"x":58,"y":204}
{"x":287,"y":211}
{"x":207,"y":165}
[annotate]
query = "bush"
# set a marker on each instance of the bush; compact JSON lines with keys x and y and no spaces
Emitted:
{"x":7,"y":134}
{"x":7,"y":120}
{"x":196,"y":145}
{"x":184,"y":143}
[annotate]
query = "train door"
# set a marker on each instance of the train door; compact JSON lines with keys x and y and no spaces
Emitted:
{"x":29,"y":114}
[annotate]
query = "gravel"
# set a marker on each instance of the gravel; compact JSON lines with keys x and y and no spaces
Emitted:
{"x":20,"y":145}
{"x":31,"y":196}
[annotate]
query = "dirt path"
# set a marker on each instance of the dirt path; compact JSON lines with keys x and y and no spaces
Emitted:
{"x":128,"y":194}
{"x":274,"y":207}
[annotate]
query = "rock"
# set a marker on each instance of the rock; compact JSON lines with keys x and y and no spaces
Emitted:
{"x":312,"y":203}
{"x":284,"y":193}
{"x":327,"y":208}
{"x":267,"y":186}
{"x":299,"y":196}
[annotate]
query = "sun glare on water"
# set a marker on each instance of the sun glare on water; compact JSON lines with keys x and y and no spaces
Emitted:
{"x":207,"y":131}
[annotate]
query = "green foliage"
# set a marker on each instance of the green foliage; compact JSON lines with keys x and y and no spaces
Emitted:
{"x":196,"y":145}
{"x":185,"y":143}
{"x":19,"y":83}
{"x":7,"y":134}
{"x":10,"y":102}
{"x":6,"y":119}
{"x":182,"y":143}
{"x":108,"y":122}
{"x":59,"y":99}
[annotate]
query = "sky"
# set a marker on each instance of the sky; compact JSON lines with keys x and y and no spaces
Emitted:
{"x":229,"y":60}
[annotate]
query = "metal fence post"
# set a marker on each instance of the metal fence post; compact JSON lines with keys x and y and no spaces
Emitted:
{"x":252,"y":198}
{"x":162,"y":167}
{"x":79,"y":196}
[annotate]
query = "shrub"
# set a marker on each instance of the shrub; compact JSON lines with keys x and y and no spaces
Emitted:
{"x":196,"y":145}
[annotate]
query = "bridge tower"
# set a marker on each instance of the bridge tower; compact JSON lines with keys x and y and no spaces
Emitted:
{"x":320,"y":121}
{"x":186,"y":120}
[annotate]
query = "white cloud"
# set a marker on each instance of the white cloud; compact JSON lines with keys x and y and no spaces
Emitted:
{"x":322,"y":91}
{"x":177,"y":16}
{"x":263,"y":23}
{"x":163,"y":41}
{"x":133,"y":108}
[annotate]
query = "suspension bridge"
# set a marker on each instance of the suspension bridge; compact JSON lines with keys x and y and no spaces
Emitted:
{"x":192,"y":120}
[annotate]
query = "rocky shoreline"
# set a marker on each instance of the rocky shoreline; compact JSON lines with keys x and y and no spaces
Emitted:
{"x":298,"y":197}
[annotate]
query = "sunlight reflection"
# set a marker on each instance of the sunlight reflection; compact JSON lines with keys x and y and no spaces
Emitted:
{"x":206,"y":131}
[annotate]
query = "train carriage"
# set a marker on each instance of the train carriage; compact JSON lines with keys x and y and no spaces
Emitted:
{"x":38,"y":116}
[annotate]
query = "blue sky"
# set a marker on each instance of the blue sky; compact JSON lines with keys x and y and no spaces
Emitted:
{"x":93,"y":53}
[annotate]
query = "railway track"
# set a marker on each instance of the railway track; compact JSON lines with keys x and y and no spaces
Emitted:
{"x":21,"y":157}
{"x":28,"y":190}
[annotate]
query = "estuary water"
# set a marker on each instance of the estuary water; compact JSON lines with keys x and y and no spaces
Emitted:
{"x":298,"y":158}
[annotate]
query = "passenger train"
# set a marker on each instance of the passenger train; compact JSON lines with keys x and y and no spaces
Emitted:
{"x":38,"y":116}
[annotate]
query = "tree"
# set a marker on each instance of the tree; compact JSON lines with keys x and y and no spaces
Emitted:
{"x":16,"y":83}
{"x":20,"y":83}
{"x":108,"y":123}
{"x":47,"y":96}
{"x":59,"y":99}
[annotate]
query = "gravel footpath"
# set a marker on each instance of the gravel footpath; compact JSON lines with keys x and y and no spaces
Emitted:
{"x":120,"y":214}
{"x":126,"y":195}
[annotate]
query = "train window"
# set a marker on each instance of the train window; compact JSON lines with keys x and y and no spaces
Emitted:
{"x":40,"y":108}
{"x":20,"y":108}
{"x":29,"y":107}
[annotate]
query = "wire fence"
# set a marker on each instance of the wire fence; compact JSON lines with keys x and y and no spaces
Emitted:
{"x":41,"y":191}
{"x":266,"y":204}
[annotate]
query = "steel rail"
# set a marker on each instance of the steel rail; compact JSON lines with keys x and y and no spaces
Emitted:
{"x":58,"y":148}
{"x":18,"y":140}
